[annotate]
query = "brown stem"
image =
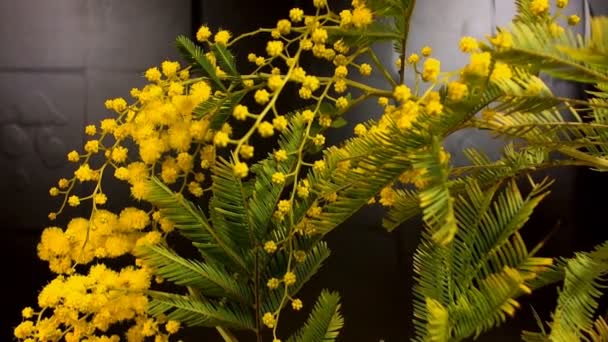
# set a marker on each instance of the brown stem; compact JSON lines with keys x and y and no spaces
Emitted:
{"x":407,"y":16}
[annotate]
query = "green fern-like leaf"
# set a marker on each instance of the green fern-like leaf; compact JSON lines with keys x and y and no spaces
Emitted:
{"x":193,"y":53}
{"x":324,"y":322}
{"x":534,"y":45}
{"x":194,"y":225}
{"x":435,"y":199}
{"x":195,"y":312}
{"x":478,"y":276}
{"x":271,"y":299}
{"x":577,"y":302}
{"x":213,"y":281}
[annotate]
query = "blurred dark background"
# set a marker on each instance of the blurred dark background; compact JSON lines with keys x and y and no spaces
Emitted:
{"x":61,"y":59}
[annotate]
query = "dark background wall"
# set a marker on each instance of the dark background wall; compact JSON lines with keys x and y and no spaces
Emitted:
{"x":60,"y":60}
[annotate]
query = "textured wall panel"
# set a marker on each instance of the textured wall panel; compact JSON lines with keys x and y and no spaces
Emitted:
{"x":41,"y":119}
{"x":60,"y":60}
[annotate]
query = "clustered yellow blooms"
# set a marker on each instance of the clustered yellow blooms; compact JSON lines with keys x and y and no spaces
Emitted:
{"x":162,"y":134}
{"x":86,"y":306}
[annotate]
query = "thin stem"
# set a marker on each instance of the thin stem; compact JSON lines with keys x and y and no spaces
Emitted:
{"x":226,"y":335}
{"x":381,"y":67}
{"x":407,"y":18}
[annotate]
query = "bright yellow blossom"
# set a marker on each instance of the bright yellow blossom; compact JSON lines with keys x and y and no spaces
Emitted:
{"x":402,"y":93}
{"x":430,"y":69}
{"x":222,"y":37}
{"x":457,"y":91}
{"x":241,"y":170}
{"x":539,"y":7}
{"x":270,"y":247}
{"x":289,"y":278}
{"x":261,"y":96}
{"x":296,"y":15}
{"x":274,"y":48}
{"x":265,"y":129}
{"x":362,"y":16}
{"x":468,"y":44}
{"x":203,"y":34}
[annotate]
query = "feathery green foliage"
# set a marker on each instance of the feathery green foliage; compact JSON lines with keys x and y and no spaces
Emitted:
{"x":324,"y":322}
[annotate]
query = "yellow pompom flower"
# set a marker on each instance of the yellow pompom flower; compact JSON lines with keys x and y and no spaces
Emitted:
{"x":274,"y":48}
{"x":360,"y":130}
{"x":92,"y":146}
{"x":457,"y":91}
{"x":365,"y":69}
{"x":221,"y":139}
{"x":270,"y":247}
{"x":501,"y":71}
{"x":308,"y":115}
{"x":341,"y":102}
{"x":278,"y":178}
{"x":73,"y":156}
{"x":90,"y":130}
{"x":284,"y":26}
{"x":63,"y":183}
{"x":240,"y":112}
{"x":203,"y":34}
{"x":240,"y":169}
{"x":119,"y":154}
{"x":100,"y":199}
{"x":246,"y":151}
{"x":341,"y":71}
{"x":268,"y":320}
{"x":54,"y":191}
{"x":74,"y":201}
{"x":261,"y":96}
{"x":280,"y":155}
{"x":319,"y":36}
{"x":121,"y":173}
{"x":412,"y":59}
{"x":84,"y":173}
{"x":273,"y":283}
{"x":561,"y":3}
{"x":402,"y":93}
{"x":318,"y":140}
{"x":289,"y":278}
{"x":280,"y":123}
{"x":362,"y":16}
{"x":153,"y":74}
{"x":275,"y":82}
{"x":479,"y":64}
{"x":297,"y":304}
{"x":340,"y":86}
{"x":27,"y":312}
{"x":426,"y":51}
{"x":434,"y":107}
{"x":430,"y":69}
{"x":573,"y":19}
{"x":265,"y":129}
{"x":284,"y":206}
{"x":539,"y":7}
{"x":222,"y":37}
{"x":346,"y":18}
{"x":170,"y":68}
{"x":319,"y":165}
{"x":296,"y":15}
{"x":468,"y":44}
{"x":172,"y":326}
{"x":312,"y":82}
